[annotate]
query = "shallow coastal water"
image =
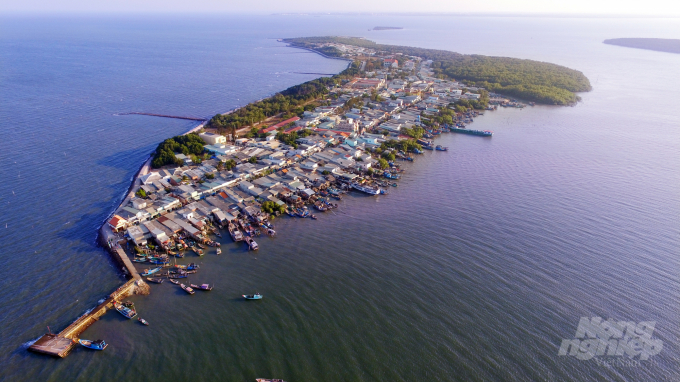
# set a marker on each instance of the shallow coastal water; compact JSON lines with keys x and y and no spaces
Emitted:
{"x":474,"y":268}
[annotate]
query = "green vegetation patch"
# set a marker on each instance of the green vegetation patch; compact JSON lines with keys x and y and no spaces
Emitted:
{"x":530,"y":80}
{"x":189,"y":145}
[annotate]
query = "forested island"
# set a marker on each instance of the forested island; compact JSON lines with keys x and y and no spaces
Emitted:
{"x":387,"y":28}
{"x":530,"y":80}
{"x":668,"y":45}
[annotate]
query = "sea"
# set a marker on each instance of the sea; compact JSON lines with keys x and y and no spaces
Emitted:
{"x":475,"y":268}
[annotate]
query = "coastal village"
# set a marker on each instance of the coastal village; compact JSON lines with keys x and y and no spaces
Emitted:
{"x":341,"y":146}
{"x":354,"y":139}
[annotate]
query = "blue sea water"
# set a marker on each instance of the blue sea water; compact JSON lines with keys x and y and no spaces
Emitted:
{"x":474,"y":268}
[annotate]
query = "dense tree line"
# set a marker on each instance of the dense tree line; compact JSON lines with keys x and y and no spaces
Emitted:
{"x":288,"y":102}
{"x":527,"y":79}
{"x":189,"y":144}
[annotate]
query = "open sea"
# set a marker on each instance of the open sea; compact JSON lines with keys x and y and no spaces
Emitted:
{"x":473,"y":269}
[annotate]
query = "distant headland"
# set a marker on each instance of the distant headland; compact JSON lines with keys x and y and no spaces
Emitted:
{"x":387,"y":28}
{"x":668,"y":45}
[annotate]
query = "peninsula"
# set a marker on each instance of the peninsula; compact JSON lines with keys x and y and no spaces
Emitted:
{"x":658,"y":44}
{"x":296,"y":154}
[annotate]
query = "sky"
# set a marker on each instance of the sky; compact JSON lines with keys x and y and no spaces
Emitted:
{"x":558,"y":7}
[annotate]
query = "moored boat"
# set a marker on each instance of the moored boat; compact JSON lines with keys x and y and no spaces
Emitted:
{"x":442,"y":148}
{"x":187,"y":289}
{"x":481,"y":133}
{"x":149,"y":272}
{"x":94,"y":345}
{"x":202,"y":286}
{"x":127,"y":312}
{"x":366,"y":189}
{"x":174,"y":282}
{"x":156,"y":280}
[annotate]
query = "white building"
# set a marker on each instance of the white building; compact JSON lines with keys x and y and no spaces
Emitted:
{"x":213,"y":139}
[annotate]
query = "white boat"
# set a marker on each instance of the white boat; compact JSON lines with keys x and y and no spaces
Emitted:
{"x":366,"y":189}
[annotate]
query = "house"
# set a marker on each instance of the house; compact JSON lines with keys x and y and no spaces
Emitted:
{"x":213,"y":139}
{"x":138,"y":203}
{"x":117,"y":223}
{"x":390,"y":63}
{"x":185,"y":159}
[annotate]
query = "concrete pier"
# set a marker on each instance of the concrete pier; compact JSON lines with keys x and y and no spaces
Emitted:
{"x":60,"y":345}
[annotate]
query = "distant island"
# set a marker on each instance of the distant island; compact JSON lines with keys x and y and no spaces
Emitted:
{"x":667,"y":45}
{"x":386,"y":28}
{"x":529,"y":80}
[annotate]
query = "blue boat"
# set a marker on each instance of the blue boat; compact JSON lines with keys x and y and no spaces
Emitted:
{"x":255,"y":296}
{"x":442,"y":148}
{"x":149,"y":272}
{"x":94,"y":345}
{"x":428,"y":147}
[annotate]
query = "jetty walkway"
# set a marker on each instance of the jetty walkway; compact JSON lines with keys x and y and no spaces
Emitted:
{"x":166,"y":116}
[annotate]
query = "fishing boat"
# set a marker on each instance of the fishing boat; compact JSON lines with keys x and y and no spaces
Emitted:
{"x":178,"y":276}
{"x":480,"y":133}
{"x":218,"y":251}
{"x":252,"y":245}
{"x":127,"y":312}
{"x":235,"y":233}
{"x":267,"y":379}
{"x":198,"y":251}
{"x":139,"y":260}
{"x":192,"y":266}
{"x":442,"y":148}
{"x":200,"y":245}
{"x":156,"y":280}
{"x":187,"y":289}
{"x":149,"y":272}
{"x":174,"y":282}
{"x":202,"y":287}
{"x":255,"y":296}
{"x":94,"y":345}
{"x":366,"y":189}
{"x":428,"y":147}
{"x":143,"y":321}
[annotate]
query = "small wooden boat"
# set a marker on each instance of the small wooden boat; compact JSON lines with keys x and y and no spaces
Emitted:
{"x":200,"y":245}
{"x":143,"y":321}
{"x":218,"y":234}
{"x":179,"y":276}
{"x":124,"y":310}
{"x":139,"y":260}
{"x":187,"y":289}
{"x":149,"y":272}
{"x":192,"y":266}
{"x":219,"y":251}
{"x":255,"y":296}
{"x":202,"y":287}
{"x":156,"y":280}
{"x":198,"y":251}
{"x":94,"y":345}
{"x":174,"y":282}
{"x":313,"y":217}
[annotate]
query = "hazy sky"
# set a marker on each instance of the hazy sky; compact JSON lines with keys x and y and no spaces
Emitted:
{"x":617,"y":7}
